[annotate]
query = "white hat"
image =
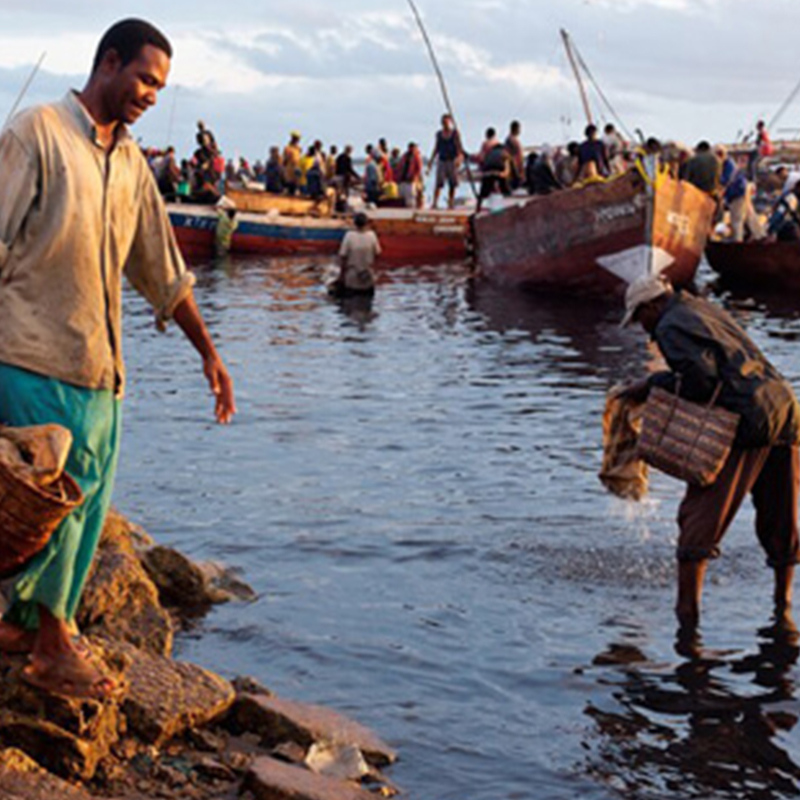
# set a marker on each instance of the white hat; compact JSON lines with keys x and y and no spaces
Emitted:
{"x":641,"y":291}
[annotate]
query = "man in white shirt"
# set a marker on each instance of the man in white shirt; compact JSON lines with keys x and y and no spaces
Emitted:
{"x":357,"y":256}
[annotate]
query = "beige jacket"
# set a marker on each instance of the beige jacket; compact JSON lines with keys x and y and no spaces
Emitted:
{"x":73,"y":219}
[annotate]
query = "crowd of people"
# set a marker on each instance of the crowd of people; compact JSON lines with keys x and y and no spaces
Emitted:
{"x":390,"y":176}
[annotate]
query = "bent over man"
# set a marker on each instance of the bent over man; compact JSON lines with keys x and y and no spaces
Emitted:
{"x":703,"y":345}
{"x":79,"y":208}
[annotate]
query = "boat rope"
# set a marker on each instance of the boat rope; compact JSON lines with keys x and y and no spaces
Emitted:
{"x":172,"y":116}
{"x":600,"y":92}
{"x":782,"y":110}
{"x":25,"y":88}
{"x":658,"y":176}
{"x":443,"y":86}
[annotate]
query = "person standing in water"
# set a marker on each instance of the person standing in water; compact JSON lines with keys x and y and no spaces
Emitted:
{"x":705,"y":346}
{"x":357,"y":254}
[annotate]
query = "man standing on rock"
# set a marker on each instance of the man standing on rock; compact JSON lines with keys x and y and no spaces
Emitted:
{"x":79,"y":208}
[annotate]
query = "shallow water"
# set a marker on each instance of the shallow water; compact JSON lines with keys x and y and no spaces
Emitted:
{"x":411,"y":489}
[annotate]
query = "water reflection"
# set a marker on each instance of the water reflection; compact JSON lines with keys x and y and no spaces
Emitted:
{"x":588,"y":326}
{"x":713,"y":726}
{"x":749,"y":301}
{"x":357,"y":309}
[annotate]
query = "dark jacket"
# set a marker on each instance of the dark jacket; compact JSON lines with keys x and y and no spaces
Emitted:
{"x":703,"y":171}
{"x":703,"y":344}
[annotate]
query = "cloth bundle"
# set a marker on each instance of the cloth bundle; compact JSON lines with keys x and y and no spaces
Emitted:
{"x":623,"y":471}
{"x":37,"y":454}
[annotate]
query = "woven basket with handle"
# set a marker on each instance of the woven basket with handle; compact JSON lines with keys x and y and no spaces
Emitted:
{"x":29,"y":514}
{"x":687,"y":440}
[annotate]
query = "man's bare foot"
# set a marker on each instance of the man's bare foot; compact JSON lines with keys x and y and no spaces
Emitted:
{"x":18,"y":641}
{"x":15,"y":640}
{"x":69,"y":674}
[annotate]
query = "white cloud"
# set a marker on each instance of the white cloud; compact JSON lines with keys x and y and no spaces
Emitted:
{"x":686,"y":6}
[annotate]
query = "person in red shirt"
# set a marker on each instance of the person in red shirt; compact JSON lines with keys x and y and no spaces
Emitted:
{"x":382,"y":153}
{"x":409,"y":176}
{"x":763,"y":148}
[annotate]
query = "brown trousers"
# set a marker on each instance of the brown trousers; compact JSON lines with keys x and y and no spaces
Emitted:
{"x":772,"y":476}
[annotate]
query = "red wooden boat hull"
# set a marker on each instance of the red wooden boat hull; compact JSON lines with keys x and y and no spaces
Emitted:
{"x":405,"y":236}
{"x":558,"y":241}
{"x":757,"y":265}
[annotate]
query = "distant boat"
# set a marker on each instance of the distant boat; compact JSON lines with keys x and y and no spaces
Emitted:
{"x":757,"y":265}
{"x":596,"y":238}
{"x":406,"y":235}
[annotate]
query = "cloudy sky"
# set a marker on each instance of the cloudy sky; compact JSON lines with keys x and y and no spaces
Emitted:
{"x":354,"y":70}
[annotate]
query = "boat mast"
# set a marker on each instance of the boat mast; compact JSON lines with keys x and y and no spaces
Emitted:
{"x":443,"y":86}
{"x":581,"y":88}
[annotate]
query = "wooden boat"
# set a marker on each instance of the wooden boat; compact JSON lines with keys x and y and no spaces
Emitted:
{"x":406,"y":235}
{"x":259,"y":201}
{"x":757,"y":265}
{"x":268,"y":234}
{"x":596,"y":238}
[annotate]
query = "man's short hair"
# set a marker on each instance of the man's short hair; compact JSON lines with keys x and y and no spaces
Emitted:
{"x":590,"y":131}
{"x":127,"y":38}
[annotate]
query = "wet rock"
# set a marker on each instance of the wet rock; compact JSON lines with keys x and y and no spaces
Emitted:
{"x":120,"y":600}
{"x":185,"y":585}
{"x":247,"y":685}
{"x":165,"y":698}
{"x":291,"y":752}
{"x":213,"y":770}
{"x":169,"y":775}
{"x":270,"y":779}
{"x":180,"y":582}
{"x":223,"y":584}
{"x":67,"y":736}
{"x":205,"y":740}
{"x":21,"y":778}
{"x":276,"y":720}
{"x":119,"y":530}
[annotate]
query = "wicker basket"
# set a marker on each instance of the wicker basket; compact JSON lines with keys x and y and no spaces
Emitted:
{"x":29,"y":514}
{"x":686,"y":440}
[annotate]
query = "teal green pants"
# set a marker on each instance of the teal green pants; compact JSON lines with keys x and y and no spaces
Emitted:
{"x":55,"y":577}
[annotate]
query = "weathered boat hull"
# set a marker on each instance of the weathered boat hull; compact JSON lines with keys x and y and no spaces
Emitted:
{"x":757,"y":265}
{"x":406,"y":236}
{"x":559,"y":241}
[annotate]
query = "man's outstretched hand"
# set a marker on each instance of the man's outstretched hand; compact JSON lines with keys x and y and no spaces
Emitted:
{"x":189,"y":320}
{"x":221,"y":385}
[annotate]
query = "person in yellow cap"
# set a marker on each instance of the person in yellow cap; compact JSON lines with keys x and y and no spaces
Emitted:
{"x":706,"y":347}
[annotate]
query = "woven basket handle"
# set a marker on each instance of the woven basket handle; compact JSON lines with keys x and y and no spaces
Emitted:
{"x":706,"y":413}
{"x":673,"y":406}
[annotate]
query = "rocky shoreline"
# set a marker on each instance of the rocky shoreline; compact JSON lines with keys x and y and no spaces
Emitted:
{"x":174,"y":730}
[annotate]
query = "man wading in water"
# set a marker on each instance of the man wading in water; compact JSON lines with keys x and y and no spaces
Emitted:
{"x":703,"y":344}
{"x":78,"y":207}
